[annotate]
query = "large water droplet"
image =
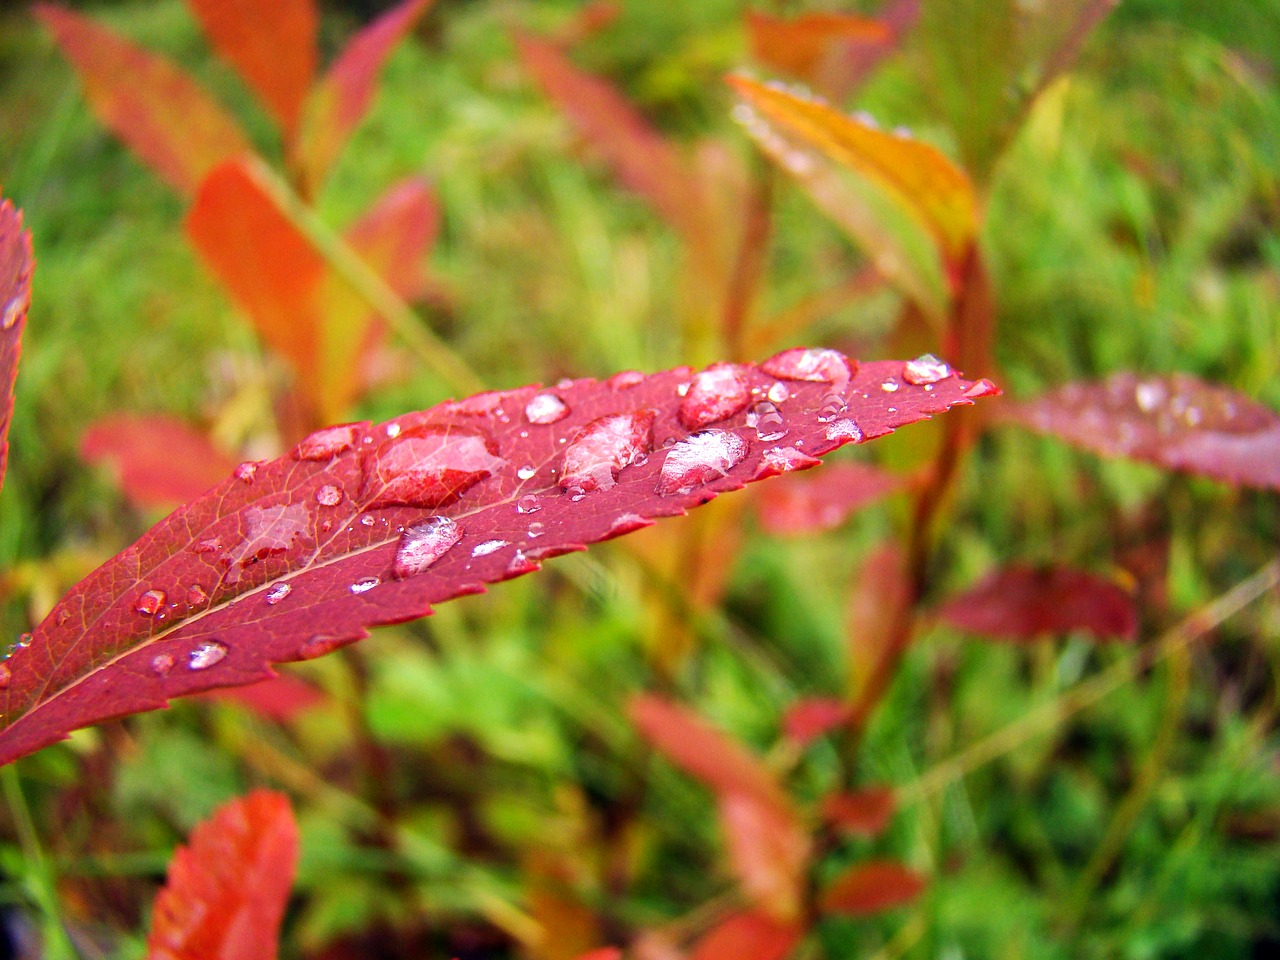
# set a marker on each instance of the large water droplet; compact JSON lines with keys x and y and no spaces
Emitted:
{"x":329,"y":495}
{"x":488,"y":547}
{"x":161,"y":664}
{"x":427,"y":466}
{"x":812,"y":364}
{"x":625,"y":380}
{"x":603,"y":447}
{"x":327,"y":443}
{"x":528,"y":504}
{"x":766,"y":420}
{"x":698,"y":460}
{"x":245,"y":472}
{"x":278,"y":592}
{"x":845,"y":430}
{"x":546,"y":408}
{"x":196,"y":596}
{"x":718,"y":392}
{"x":364,"y":584}
{"x":926,"y":368}
{"x":206,"y":654}
{"x":271,"y":531}
{"x":423,"y":544}
{"x":150,"y":603}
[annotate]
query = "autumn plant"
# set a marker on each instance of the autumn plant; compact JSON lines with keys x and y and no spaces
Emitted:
{"x":343,"y":526}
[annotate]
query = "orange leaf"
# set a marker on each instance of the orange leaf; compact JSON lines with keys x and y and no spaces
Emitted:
{"x":161,"y":461}
{"x":830,"y":52}
{"x":863,"y":813}
{"x":748,"y":936}
{"x":342,"y":98}
{"x":147,"y":101}
{"x":806,"y":720}
{"x":272,"y":45}
{"x":769,"y":850}
{"x":227,"y":889}
{"x":871,"y":887}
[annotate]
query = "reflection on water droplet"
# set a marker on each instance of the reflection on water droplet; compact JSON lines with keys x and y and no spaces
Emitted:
{"x":832,"y":406}
{"x":423,"y":544}
{"x":781,"y":460}
{"x":811,"y":364}
{"x":767,"y":421}
{"x":366,"y":521}
{"x":150,"y":603}
{"x":161,"y":664}
{"x":6,"y":676}
{"x":277,"y":593}
{"x":245,"y":472}
{"x":12,"y":310}
{"x":602,"y":448}
{"x":528,"y":504}
{"x":698,"y":460}
{"x":520,"y":564}
{"x":981,"y":388}
{"x":890,"y":385}
{"x":845,"y":430}
{"x":778,"y":393}
{"x":319,"y":645}
{"x":206,"y":654}
{"x":625,"y":379}
{"x":329,"y":495}
{"x":627,"y":523}
{"x":536,"y":529}
{"x":427,"y":466}
{"x":327,"y":443}
{"x":546,"y":408}
{"x":525,"y":472}
{"x":23,"y":641}
{"x":365,"y":584}
{"x":1149,"y":396}
{"x":488,"y":547}
{"x":393,"y":430}
{"x":196,"y":596}
{"x":925,"y":368}
{"x":212,"y":545}
{"x":271,"y":531}
{"x":716,"y":393}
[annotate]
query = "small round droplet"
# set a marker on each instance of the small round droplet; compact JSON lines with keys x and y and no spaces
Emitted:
{"x":329,"y":495}
{"x":23,"y":641}
{"x":393,"y":430}
{"x":245,"y":472}
{"x":528,"y":504}
{"x":767,"y":421}
{"x":161,"y":664}
{"x":546,"y":408}
{"x":698,"y":460}
{"x":536,"y":529}
{"x":196,"y":596}
{"x":1149,"y":396}
{"x":890,"y":385}
{"x":364,"y":584}
{"x":6,"y":675}
{"x":925,"y":368}
{"x":277,"y":593}
{"x":423,"y":544}
{"x":845,"y":430}
{"x":206,"y":654}
{"x":150,"y":603}
{"x":488,"y":547}
{"x":778,"y":393}
{"x":525,"y":472}
{"x":832,"y":406}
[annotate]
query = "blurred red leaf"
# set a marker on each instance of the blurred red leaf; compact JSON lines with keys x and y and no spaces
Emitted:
{"x":343,"y":96}
{"x":748,"y":936}
{"x":1175,"y":421}
{"x":160,"y":461}
{"x":271,"y":45}
{"x":1023,"y":603}
{"x":366,"y":524}
{"x":863,"y":813}
{"x":825,"y":500}
{"x":282,"y":698}
{"x":879,"y":592}
{"x":228,"y":887}
{"x":604,"y":953}
{"x":871,"y":887}
{"x":146,"y":101}
{"x":830,"y":52}
{"x":769,"y":849}
{"x":16,"y":265}
{"x":806,"y":720}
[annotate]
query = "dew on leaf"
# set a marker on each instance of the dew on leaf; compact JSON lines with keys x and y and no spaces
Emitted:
{"x":525,"y":472}
{"x":780,"y":460}
{"x":811,"y":364}
{"x":698,"y":460}
{"x":890,"y":385}
{"x":832,"y":406}
{"x":12,"y":310}
{"x":546,"y":408}
{"x":845,"y":430}
{"x":161,"y":664}
{"x":714,"y":394}
{"x":329,"y":495}
{"x":625,"y":379}
{"x":488,"y":547}
{"x":393,"y":430}
{"x":245,"y":472}
{"x":603,"y":447}
{"x":196,"y":596}
{"x":981,"y":388}
{"x":271,"y":531}
{"x":778,"y":393}
{"x":528,"y":504}
{"x":150,"y":603}
{"x":520,"y":564}
{"x":1149,"y":396}
{"x":206,"y":654}
{"x":319,"y":645}
{"x":212,"y":545}
{"x":327,"y":443}
{"x":6,"y":675}
{"x":364,"y":584}
{"x":767,"y":421}
{"x":277,"y":593}
{"x":627,"y":523}
{"x":926,"y":368}
{"x":536,"y":529}
{"x":427,"y":466}
{"x":423,"y":544}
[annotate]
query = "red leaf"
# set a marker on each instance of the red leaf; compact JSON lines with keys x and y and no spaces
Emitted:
{"x":769,"y":849}
{"x":1023,"y":603}
{"x":228,"y":888}
{"x":16,"y":264}
{"x":863,"y":813}
{"x":824,"y":501}
{"x":160,"y":461}
{"x":1174,"y":421}
{"x":871,"y":887}
{"x":272,"y":45}
{"x":147,"y":101}
{"x":291,"y":558}
{"x":281,"y":698}
{"x":342,"y":98}
{"x":830,"y":52}
{"x":807,"y":720}
{"x":748,"y":936}
{"x":604,"y":953}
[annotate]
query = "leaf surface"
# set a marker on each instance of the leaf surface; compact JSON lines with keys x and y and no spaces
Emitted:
{"x":160,"y":461}
{"x":227,"y":889}
{"x":870,"y":887}
{"x":830,"y":52}
{"x":271,"y":45}
{"x":1023,"y":603}
{"x":1175,"y":421}
{"x":824,"y":500}
{"x":151,"y":104}
{"x":367,"y":524}
{"x":16,"y":265}
{"x":748,"y":936}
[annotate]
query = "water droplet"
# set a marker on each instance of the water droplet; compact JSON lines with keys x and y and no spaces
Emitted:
{"x":277,"y":593}
{"x":329,"y":495}
{"x":6,"y":675}
{"x":212,"y":545}
{"x":845,"y":431}
{"x":23,"y":641}
{"x":488,"y":547}
{"x":427,"y":466}
{"x":700,"y":459}
{"x":1193,"y":416}
{"x":778,"y":393}
{"x":366,"y":521}
{"x":525,"y":472}
{"x":161,"y":664}
{"x":528,"y":504}
{"x":890,"y":385}
{"x":602,"y":448}
{"x":781,"y":460}
{"x":423,"y":544}
{"x":625,"y":379}
{"x":714,"y":394}
{"x":478,"y":405}
{"x":981,"y":388}
{"x":832,"y":406}
{"x":327,"y":443}
{"x":393,"y":430}
{"x":546,"y":408}
{"x":812,"y":364}
{"x":196,"y":596}
{"x":15,"y":308}
{"x":520,"y":564}
{"x":365,"y":584}
{"x":271,"y":531}
{"x":150,"y":603}
{"x":1149,"y":396}
{"x":767,"y":421}
{"x":536,"y":529}
{"x":627,"y":523}
{"x":245,"y":472}
{"x":205,"y":655}
{"x":319,"y":645}
{"x":926,"y":368}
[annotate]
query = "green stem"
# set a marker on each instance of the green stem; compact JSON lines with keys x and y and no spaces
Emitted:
{"x":39,"y":878}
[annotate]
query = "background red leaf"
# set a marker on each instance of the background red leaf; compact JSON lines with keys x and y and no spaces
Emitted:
{"x":1174,"y":420}
{"x":806,"y":720}
{"x":160,"y":461}
{"x":748,"y":936}
{"x":769,"y":849}
{"x":862,"y":813}
{"x":16,"y":264}
{"x":289,"y":559}
{"x":147,"y":101}
{"x":824,"y":500}
{"x":272,"y":45}
{"x":1023,"y":603}
{"x":228,"y":887}
{"x":281,"y":698}
{"x":871,"y":887}
{"x":830,"y":52}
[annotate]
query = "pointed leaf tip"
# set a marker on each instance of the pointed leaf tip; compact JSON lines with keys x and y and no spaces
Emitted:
{"x":16,"y":265}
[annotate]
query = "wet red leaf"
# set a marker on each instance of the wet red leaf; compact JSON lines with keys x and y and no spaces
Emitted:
{"x":16,"y":264}
{"x":1023,"y":603}
{"x":825,"y":500}
{"x":862,"y":813}
{"x":1174,"y":420}
{"x":871,"y":887}
{"x":160,"y":461}
{"x":147,"y":101}
{"x":271,"y":45}
{"x":228,"y":887}
{"x":343,"y":96}
{"x":830,"y":52}
{"x":288,"y":559}
{"x":806,"y":720}
{"x":748,"y":936}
